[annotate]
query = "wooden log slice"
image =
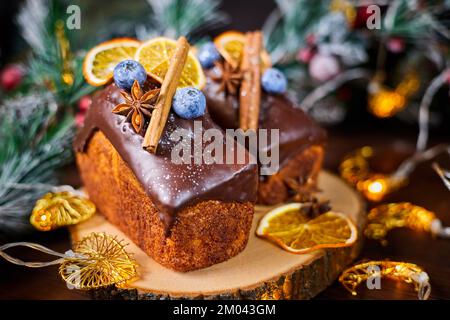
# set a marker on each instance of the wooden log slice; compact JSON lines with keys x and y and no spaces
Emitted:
{"x":261,"y":271}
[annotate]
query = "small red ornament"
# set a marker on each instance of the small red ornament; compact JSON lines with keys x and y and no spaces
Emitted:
{"x":84,"y":103}
{"x":11,"y":77}
{"x":361,"y":17}
{"x":396,"y":45}
{"x":79,"y":119}
{"x":83,"y":106}
{"x":305,"y":55}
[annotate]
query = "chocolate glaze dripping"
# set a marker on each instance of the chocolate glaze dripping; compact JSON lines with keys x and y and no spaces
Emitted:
{"x":170,"y":186}
{"x":297,"y":130}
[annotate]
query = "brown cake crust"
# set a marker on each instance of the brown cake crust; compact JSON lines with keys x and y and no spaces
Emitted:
{"x":301,"y":142}
{"x":296,"y":178}
{"x":203,"y":234}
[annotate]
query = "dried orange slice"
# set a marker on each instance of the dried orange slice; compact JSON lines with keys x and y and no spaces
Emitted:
{"x":155,"y":56}
{"x":100,"y":61}
{"x":230,"y":45}
{"x":291,"y":229}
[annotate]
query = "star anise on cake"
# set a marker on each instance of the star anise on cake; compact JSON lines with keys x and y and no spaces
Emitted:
{"x":300,"y":190}
{"x":138,"y":106}
{"x":229,"y":77}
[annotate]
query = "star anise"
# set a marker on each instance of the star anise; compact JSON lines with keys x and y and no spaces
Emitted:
{"x":315,"y":208}
{"x":138,"y":106}
{"x":300,"y":190}
{"x":229,"y":77}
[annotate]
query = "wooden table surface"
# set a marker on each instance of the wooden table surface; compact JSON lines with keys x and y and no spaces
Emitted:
{"x":424,"y":189}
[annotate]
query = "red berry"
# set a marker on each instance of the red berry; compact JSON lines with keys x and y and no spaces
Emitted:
{"x":361,"y":17}
{"x":305,"y":55}
{"x":79,"y":119}
{"x":84,"y":103}
{"x":11,"y":76}
{"x":396,"y":45}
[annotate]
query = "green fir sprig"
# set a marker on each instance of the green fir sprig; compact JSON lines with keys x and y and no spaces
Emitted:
{"x":33,"y":145}
{"x":287,"y":27}
{"x":174,"y":18}
{"x":415,"y":21}
{"x":37,"y":123}
{"x":39,"y":21}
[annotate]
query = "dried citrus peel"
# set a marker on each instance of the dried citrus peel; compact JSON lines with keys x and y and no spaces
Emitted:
{"x":294,"y":231}
{"x":100,"y":61}
{"x":230,"y":45}
{"x":155,"y":56}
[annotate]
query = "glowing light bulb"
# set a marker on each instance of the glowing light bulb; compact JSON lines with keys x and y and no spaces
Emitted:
{"x":386,"y":103}
{"x":375,"y":187}
{"x":355,"y":169}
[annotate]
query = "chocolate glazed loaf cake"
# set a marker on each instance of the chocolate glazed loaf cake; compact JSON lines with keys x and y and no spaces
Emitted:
{"x":184,"y":216}
{"x":301,"y":141}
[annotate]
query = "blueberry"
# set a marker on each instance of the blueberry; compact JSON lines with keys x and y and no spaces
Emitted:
{"x":189,"y":103}
{"x":208,"y":54}
{"x":274,"y":81}
{"x":126,"y":72}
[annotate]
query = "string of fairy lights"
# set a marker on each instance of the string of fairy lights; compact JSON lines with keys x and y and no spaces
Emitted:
{"x":355,"y":168}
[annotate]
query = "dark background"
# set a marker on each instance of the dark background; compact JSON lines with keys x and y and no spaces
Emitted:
{"x":396,"y":139}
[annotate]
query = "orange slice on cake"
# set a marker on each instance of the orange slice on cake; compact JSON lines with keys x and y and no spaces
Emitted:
{"x":230,"y":45}
{"x":294,"y":231}
{"x":100,"y":61}
{"x":155,"y":56}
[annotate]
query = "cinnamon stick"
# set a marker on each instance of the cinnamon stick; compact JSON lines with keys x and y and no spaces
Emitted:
{"x":245,"y":85}
{"x":164,"y":102}
{"x":250,"y":94}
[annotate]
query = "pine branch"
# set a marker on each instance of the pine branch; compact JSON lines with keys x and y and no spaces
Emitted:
{"x":287,"y":28}
{"x":31,"y":19}
{"x":33,"y":147}
{"x":47,"y":64}
{"x":175,"y":18}
{"x":407,"y":19}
